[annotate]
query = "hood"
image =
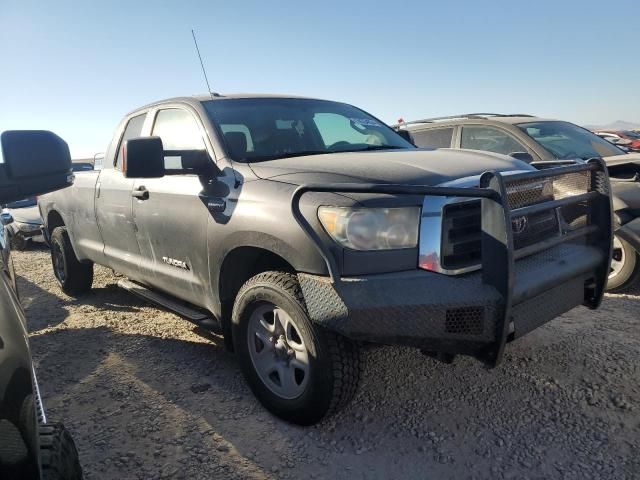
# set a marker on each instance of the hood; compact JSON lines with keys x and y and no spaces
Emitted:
{"x":622,"y":159}
{"x":27,"y":215}
{"x":404,"y":167}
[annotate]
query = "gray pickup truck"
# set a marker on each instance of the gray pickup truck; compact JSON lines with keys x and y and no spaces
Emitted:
{"x":301,"y":229}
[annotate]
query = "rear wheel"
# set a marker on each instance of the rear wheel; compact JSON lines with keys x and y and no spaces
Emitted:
{"x":58,"y":454}
{"x":297,"y":370}
{"x":73,"y":276}
{"x":625,"y":266}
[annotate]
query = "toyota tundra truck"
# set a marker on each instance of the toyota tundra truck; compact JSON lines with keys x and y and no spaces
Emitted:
{"x":303,"y":229}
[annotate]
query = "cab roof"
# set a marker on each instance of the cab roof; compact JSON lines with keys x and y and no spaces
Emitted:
{"x":205,"y":97}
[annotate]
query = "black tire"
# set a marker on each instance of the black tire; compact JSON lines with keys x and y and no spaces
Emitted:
{"x":58,"y":454}
{"x":629,"y":273}
{"x":19,"y":242}
{"x":334,"y":361}
{"x":74,"y":277}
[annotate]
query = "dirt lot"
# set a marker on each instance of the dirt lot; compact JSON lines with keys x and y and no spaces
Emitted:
{"x":149,"y":396}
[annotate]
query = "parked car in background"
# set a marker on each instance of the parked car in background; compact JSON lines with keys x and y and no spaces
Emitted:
{"x":23,"y":223}
{"x":621,"y":143}
{"x":22,"y":217}
{"x":623,"y":138}
{"x":540,"y":141}
{"x":30,"y":447}
{"x":81,"y":166}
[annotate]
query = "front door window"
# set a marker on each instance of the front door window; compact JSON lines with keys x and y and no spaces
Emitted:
{"x":489,"y":139}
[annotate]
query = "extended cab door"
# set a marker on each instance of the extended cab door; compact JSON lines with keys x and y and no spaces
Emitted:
{"x":171,"y":220}
{"x":114,"y":205}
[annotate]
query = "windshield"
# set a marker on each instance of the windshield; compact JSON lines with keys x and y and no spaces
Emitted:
{"x":27,"y":202}
{"x":257,"y":129}
{"x":568,"y":141}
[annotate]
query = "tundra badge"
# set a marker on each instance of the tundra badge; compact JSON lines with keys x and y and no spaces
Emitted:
{"x":175,"y":263}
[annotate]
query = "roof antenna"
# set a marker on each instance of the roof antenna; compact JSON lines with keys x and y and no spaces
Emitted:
{"x":213,"y":94}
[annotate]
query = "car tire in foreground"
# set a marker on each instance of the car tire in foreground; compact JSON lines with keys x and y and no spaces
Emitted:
{"x":58,"y":454}
{"x":73,"y":276}
{"x":625,"y":266}
{"x":298,"y":371}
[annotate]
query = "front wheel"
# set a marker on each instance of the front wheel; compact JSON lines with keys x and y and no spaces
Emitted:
{"x":297,"y":370}
{"x":625,"y":266}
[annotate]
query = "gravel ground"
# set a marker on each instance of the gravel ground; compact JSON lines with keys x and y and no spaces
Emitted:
{"x":148,"y":395}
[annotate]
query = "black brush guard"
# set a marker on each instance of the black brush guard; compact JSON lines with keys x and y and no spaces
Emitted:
{"x":498,"y":213}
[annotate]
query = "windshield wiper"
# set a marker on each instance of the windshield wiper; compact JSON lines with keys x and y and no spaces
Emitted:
{"x":372,"y":148}
{"x":302,"y":153}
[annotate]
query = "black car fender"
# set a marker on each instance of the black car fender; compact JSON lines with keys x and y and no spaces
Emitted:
{"x":260,"y":234}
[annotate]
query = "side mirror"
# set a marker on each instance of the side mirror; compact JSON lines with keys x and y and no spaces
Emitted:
{"x":98,"y":161}
{"x":188,"y":161}
{"x":524,"y":156}
{"x":143,"y":158}
{"x":6,"y":218}
{"x":35,"y":162}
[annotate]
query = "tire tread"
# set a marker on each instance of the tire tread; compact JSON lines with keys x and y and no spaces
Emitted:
{"x":79,"y":275}
{"x":58,"y":453}
{"x":344,"y":354}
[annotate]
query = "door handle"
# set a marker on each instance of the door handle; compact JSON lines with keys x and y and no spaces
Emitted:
{"x":141,"y":193}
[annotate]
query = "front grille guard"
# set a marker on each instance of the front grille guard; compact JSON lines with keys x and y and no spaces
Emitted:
{"x":499,"y":208}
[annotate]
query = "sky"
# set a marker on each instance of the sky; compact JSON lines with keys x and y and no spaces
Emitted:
{"x":76,"y":67}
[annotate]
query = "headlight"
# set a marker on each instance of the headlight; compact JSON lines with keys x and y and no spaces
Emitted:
{"x":372,"y":228}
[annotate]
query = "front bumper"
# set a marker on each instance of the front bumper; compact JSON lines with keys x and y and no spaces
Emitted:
{"x":28,"y":230}
{"x":516,"y":290}
{"x":451,"y":314}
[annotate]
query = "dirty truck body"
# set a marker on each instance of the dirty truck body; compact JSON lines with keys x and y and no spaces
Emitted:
{"x":331,"y":229}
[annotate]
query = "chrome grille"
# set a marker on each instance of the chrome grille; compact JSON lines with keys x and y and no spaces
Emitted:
{"x":450,"y":227}
{"x":461,"y":222}
{"x":461,"y":235}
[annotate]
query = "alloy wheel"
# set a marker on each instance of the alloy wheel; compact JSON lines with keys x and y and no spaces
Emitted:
{"x":278,"y":351}
{"x":617,"y":259}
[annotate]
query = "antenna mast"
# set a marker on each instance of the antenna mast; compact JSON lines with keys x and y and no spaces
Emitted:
{"x":213,"y":94}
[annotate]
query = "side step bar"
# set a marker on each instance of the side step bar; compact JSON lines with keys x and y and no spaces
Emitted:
{"x":199,"y":317}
